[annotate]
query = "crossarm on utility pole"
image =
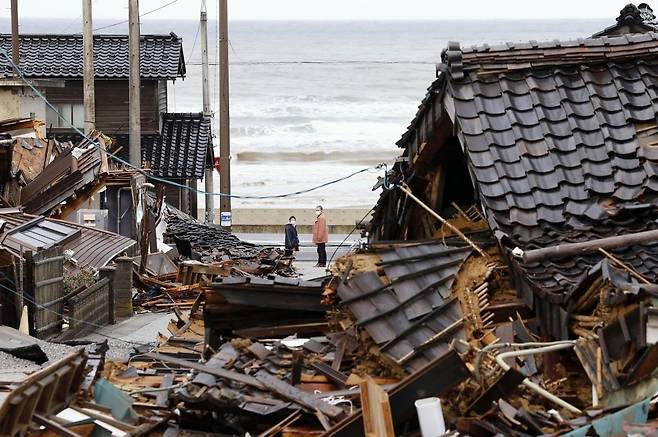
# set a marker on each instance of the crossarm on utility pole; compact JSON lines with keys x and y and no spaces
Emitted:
{"x":405,"y":189}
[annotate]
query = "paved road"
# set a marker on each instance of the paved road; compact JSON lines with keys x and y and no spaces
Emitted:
{"x":307,"y":251}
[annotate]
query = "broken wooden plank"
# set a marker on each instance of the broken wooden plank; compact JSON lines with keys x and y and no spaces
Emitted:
{"x":220,"y":373}
{"x":377,"y":420}
{"x":296,"y":395}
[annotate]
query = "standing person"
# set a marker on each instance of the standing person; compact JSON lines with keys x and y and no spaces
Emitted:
{"x":320,"y":236}
{"x":292,"y":240}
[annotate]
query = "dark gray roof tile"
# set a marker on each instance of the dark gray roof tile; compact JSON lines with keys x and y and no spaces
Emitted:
{"x":626,"y":163}
{"x":486,"y":89}
{"x":588,"y":124}
{"x":528,"y":133}
{"x":547,"y":99}
{"x":506,"y":154}
{"x":551,"y":114}
{"x":541,"y":83}
{"x":525,"y":118}
{"x":491,"y":106}
{"x":461,"y":91}
{"x":541,"y":164}
{"x":579,"y":109}
{"x":560,"y":129}
{"x":609,"y":105}
{"x":634,"y":177}
{"x":523,"y":201}
{"x":496,"y":122}
{"x":621,"y":133}
{"x":548,"y":181}
{"x":575,"y":95}
{"x":482,"y":159}
{"x":573,"y":192}
{"x":569,"y":159}
{"x":471,"y":126}
{"x":623,"y":148}
{"x":181,"y":150}
{"x":60,"y":56}
{"x":486,"y":174}
{"x":516,"y":87}
{"x":597,"y":76}
{"x":466,"y":108}
{"x":642,"y":114}
{"x":551,"y":215}
{"x":524,"y":217}
{"x":562,"y":144}
{"x":616,"y":118}
{"x":627,"y":193}
{"x":576,"y":208}
{"x":511,"y":170}
{"x":605,"y":91}
{"x":521,"y":102}
{"x":505,"y":138}
{"x":599,"y":185}
{"x":548,"y":197}
{"x":638,"y":100}
{"x":518,"y":186}
{"x":573,"y":175}
{"x":590,"y":139}
{"x":597,"y":168}
{"x":493,"y":190}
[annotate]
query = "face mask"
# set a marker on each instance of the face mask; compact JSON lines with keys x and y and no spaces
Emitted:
{"x":292,"y":222}
{"x":318,"y":212}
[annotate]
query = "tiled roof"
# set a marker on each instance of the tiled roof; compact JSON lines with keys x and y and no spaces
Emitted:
{"x":410,"y":312}
{"x":560,"y":142}
{"x":60,"y":56}
{"x":182,"y":149}
{"x":565,"y":153}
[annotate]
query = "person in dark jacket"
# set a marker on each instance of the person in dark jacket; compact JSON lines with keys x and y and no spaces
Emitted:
{"x":292,"y":240}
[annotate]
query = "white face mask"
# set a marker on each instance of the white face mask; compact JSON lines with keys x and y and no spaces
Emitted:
{"x":292,"y":222}
{"x":318,"y":212}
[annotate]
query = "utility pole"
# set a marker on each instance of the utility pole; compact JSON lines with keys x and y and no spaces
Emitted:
{"x":14,"y":33}
{"x":208,"y":176}
{"x":134,"y":124}
{"x":88,"y":61}
{"x":224,"y":122}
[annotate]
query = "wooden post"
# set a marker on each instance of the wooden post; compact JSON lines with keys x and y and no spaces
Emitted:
{"x":88,"y":61}
{"x":14,"y":33}
{"x":208,"y":174}
{"x":109,"y":272}
{"x":134,"y":123}
{"x":224,"y":119}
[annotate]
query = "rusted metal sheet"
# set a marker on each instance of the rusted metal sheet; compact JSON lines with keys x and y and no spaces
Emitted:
{"x":45,"y":392}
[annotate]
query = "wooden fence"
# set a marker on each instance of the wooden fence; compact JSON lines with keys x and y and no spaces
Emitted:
{"x":90,"y":308}
{"x":44,"y":291}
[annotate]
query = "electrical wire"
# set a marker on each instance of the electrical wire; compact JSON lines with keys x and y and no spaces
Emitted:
{"x":93,"y":325}
{"x":348,"y":235}
{"x":141,"y":15}
{"x":21,"y":74}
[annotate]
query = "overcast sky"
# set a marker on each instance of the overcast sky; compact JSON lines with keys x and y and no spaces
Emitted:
{"x":331,"y":9}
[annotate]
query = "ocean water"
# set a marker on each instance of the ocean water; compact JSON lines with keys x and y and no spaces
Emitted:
{"x":313,"y":101}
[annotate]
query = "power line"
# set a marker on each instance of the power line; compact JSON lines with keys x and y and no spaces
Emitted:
{"x":165,"y":181}
{"x":84,"y":322}
{"x":141,"y":15}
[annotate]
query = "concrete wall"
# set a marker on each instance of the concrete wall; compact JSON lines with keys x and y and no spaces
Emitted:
{"x":18,"y":101}
{"x":258,"y":220}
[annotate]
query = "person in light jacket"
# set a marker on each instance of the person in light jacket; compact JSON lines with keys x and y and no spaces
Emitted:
{"x":320,"y":236}
{"x":292,"y":240}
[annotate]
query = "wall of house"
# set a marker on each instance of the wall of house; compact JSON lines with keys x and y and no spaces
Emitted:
{"x":112,"y":103}
{"x":18,"y":102}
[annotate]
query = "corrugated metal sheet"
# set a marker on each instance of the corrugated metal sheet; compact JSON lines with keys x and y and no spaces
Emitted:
{"x":93,"y":248}
{"x":410,"y":312}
